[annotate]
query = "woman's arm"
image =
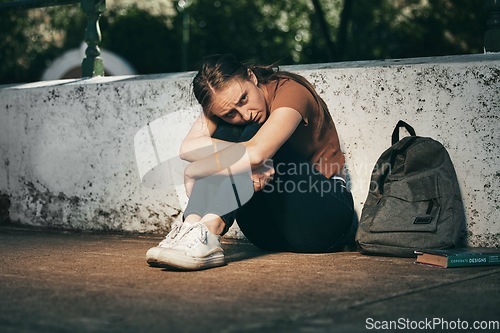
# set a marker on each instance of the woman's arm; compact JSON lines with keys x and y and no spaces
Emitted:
{"x":280,"y":125}
{"x":252,"y":154}
{"x":198,"y":143}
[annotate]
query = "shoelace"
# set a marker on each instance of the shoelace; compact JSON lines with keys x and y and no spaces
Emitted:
{"x":191,"y":236}
{"x":171,"y":235}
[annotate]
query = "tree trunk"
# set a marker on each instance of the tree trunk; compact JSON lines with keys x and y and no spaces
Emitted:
{"x":320,"y":15}
{"x":345,"y":17}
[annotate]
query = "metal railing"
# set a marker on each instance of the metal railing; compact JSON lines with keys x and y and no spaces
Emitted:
{"x":92,"y":64}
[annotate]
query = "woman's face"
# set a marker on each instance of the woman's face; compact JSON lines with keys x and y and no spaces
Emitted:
{"x":241,"y":102}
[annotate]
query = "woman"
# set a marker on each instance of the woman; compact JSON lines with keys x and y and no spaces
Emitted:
{"x":270,"y":130}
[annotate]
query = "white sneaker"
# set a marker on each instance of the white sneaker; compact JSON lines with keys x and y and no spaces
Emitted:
{"x":195,"y":249}
{"x":178,"y":227}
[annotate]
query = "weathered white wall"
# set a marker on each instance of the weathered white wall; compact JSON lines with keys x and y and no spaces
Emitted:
{"x":67,"y":147}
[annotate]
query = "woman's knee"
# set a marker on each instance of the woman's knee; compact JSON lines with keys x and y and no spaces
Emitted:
{"x":233,"y":133}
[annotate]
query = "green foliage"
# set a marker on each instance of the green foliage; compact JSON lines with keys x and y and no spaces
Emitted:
{"x":253,"y":30}
{"x":30,"y":39}
{"x":145,"y":40}
{"x":383,"y":29}
{"x":150,"y":36}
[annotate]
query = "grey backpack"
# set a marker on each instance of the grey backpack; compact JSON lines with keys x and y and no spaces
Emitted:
{"x":414,"y":200}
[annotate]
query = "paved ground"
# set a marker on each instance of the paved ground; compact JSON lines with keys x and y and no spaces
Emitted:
{"x":79,"y":282}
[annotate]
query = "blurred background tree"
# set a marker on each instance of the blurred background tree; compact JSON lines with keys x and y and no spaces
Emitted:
{"x":151,"y":35}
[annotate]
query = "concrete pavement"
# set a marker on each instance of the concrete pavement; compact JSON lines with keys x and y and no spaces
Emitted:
{"x":55,"y":281}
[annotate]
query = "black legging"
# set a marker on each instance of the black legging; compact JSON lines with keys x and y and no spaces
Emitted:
{"x":300,"y":210}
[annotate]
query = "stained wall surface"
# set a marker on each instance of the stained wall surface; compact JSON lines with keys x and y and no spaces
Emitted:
{"x":67,"y":148}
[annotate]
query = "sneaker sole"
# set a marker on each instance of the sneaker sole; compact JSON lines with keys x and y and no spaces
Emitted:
{"x":184,"y":262}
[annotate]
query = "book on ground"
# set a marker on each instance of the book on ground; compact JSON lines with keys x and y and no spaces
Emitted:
{"x":459,"y":257}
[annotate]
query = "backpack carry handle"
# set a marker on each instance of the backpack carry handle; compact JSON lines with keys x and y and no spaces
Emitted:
{"x":395,"y":133}
{"x":392,"y":160}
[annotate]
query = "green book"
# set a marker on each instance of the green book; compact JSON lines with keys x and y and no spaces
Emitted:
{"x":460,"y":257}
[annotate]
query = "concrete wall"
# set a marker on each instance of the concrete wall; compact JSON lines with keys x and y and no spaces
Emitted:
{"x":67,"y":147}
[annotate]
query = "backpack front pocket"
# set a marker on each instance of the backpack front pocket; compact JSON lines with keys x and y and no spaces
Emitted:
{"x":408,"y":205}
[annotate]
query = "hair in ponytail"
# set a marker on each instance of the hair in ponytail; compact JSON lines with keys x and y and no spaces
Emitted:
{"x":216,"y":71}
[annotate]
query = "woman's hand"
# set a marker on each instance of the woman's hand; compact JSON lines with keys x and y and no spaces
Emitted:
{"x":262,"y":175}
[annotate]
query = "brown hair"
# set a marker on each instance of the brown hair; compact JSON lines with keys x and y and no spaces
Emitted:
{"x":216,"y":71}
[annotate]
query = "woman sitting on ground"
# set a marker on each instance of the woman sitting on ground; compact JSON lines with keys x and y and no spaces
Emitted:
{"x":268,"y":131}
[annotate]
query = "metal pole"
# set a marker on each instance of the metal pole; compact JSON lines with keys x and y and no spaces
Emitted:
{"x":93,"y":65}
